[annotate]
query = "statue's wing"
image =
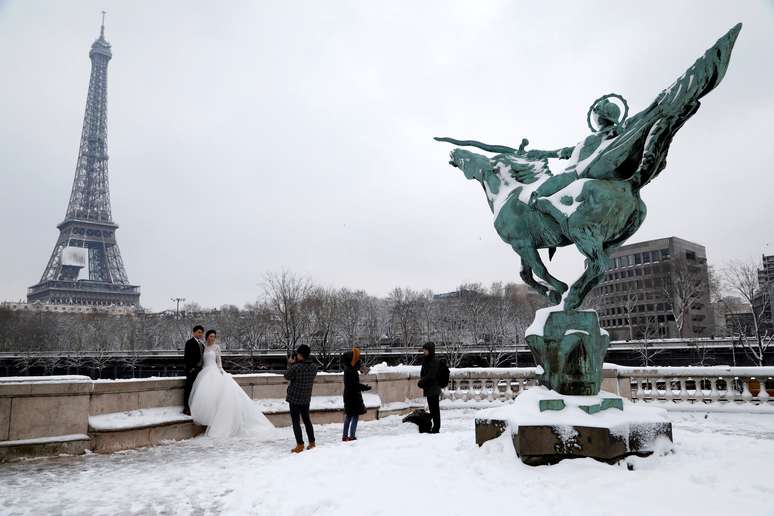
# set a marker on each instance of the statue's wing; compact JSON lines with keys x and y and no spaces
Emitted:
{"x":676,"y":105}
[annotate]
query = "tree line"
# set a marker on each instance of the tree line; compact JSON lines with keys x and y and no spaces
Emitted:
{"x":294,"y":310}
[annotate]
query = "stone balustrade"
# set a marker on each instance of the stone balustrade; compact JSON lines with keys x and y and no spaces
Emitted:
{"x":489,"y":384}
{"x":718,"y":387}
{"x":505,"y":383}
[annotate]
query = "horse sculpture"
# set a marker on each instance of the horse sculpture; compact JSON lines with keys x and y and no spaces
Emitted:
{"x":594,"y":202}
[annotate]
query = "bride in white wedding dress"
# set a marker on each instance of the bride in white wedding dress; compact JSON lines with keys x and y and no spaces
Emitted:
{"x":219,"y":403}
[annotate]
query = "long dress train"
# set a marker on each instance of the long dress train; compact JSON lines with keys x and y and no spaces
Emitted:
{"x":220,"y":404}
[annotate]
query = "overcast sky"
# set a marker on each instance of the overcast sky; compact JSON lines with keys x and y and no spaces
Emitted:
{"x":261,"y":136}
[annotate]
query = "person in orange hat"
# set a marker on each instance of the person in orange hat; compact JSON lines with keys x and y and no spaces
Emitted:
{"x":353,"y":393}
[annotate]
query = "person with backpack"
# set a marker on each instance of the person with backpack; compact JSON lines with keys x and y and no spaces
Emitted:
{"x":353,"y":393}
{"x":434,"y":376}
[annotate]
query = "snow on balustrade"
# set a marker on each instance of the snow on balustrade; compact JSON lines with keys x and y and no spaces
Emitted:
{"x":703,"y":388}
{"x":679,"y":388}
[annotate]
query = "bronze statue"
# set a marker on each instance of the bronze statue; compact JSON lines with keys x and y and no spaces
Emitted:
{"x":593,"y":203}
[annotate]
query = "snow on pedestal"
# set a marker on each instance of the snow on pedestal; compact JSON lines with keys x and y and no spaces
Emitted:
{"x":525,"y":411}
{"x":578,"y":426}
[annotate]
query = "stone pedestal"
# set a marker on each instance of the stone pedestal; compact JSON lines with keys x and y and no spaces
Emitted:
{"x":546,"y":427}
{"x":545,"y":444}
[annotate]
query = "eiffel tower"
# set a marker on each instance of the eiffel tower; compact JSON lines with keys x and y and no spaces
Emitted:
{"x":85,"y":267}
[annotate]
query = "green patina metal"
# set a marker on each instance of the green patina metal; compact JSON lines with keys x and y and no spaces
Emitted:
{"x":551,"y":405}
{"x":590,"y":409}
{"x":571,"y":351}
{"x":594,"y":202}
{"x":605,"y":404}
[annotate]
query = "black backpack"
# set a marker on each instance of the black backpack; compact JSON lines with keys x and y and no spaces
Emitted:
{"x":443,"y":375}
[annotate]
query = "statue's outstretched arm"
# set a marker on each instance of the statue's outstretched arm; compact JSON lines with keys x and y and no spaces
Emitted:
{"x":500,"y":149}
{"x":563,"y":153}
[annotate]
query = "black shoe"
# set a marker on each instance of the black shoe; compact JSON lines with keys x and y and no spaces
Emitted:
{"x":187,"y":411}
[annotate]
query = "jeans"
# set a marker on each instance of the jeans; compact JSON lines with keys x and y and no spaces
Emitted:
{"x":350,"y":425}
{"x":433,"y":403}
{"x":298,"y":412}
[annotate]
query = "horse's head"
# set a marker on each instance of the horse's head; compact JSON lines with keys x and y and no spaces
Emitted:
{"x":472,"y":165}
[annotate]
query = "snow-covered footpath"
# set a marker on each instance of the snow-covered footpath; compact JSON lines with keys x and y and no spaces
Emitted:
{"x":721,"y":465}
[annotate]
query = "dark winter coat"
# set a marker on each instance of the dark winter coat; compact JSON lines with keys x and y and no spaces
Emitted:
{"x":428,"y":380}
{"x":353,"y":389}
{"x":301,"y":376}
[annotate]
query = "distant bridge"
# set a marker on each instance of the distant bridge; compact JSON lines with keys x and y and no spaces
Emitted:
{"x":143,"y":363}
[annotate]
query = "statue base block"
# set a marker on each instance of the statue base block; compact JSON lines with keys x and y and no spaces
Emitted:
{"x":538,"y":445}
{"x":603,"y":427}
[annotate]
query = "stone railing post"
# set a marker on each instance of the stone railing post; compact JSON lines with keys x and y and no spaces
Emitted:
{"x":718,"y":385}
{"x":763,"y":394}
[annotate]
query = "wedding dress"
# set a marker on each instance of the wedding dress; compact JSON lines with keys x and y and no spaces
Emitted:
{"x":220,"y":404}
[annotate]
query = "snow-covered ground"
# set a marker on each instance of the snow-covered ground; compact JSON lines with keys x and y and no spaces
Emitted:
{"x":721,"y":465}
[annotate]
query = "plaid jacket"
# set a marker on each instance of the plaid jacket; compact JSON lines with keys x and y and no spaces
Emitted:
{"x":301,"y":377}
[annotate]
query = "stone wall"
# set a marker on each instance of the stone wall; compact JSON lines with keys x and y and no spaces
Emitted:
{"x":37,"y":407}
{"x":56,"y":410}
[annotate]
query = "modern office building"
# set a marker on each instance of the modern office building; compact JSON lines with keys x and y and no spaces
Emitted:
{"x":656,"y":289}
{"x":765,"y":293}
{"x":766,"y":272}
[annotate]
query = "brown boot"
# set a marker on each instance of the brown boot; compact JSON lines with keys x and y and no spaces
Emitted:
{"x":298,"y":449}
{"x":311,"y":445}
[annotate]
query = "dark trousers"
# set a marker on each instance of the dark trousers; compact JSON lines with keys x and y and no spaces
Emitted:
{"x":298,"y":412}
{"x":189,"y":381}
{"x":434,"y":405}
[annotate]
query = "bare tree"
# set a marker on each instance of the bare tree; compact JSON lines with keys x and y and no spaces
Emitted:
{"x":498,"y":328}
{"x":648,"y":330}
{"x":424,"y":314}
{"x":131,"y":360}
{"x":474,"y":305}
{"x":522,"y":312}
{"x":25,"y":361}
{"x":321,"y":309}
{"x":742,"y":278}
{"x":403,"y":315}
{"x":686,"y":288}
{"x":51,"y":363}
{"x":630,"y":306}
{"x":99,"y":360}
{"x":256,"y":332}
{"x":350,"y":313}
{"x":75,"y":360}
{"x":714,"y":284}
{"x":450,"y":331}
{"x":372,"y":324}
{"x":285,"y":294}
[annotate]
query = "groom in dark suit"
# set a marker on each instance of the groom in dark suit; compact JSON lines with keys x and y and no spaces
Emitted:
{"x":194,"y":353}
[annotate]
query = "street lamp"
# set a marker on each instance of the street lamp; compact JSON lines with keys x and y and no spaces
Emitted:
{"x":177,"y":300}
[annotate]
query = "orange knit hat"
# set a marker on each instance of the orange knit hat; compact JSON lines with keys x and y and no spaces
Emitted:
{"x":355,"y":356}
